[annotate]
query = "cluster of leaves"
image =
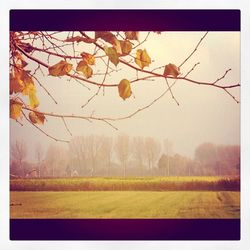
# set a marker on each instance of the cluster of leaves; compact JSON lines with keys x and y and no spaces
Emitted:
{"x":114,"y":47}
{"x":21,"y":82}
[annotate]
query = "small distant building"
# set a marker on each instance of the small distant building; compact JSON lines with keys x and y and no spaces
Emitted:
{"x":74,"y":173}
{"x":32,"y":174}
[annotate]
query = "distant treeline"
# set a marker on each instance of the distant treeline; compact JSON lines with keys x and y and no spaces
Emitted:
{"x":124,"y":156}
{"x":128,"y":184}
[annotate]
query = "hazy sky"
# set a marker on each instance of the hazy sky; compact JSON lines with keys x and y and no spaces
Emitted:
{"x":205,"y":114}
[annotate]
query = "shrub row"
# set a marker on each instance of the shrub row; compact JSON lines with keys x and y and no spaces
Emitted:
{"x":123,"y":184}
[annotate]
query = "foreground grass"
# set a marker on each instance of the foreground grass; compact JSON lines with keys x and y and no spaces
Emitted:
{"x":125,"y":204}
{"x":128,"y":184}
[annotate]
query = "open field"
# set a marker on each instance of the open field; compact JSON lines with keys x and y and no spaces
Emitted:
{"x":172,"y":183}
{"x":125,"y":204}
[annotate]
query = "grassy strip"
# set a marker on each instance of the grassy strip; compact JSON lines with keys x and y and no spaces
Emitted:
{"x":125,"y":204}
{"x":127,"y":184}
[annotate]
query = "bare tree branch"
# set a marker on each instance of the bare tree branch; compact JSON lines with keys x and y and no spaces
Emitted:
{"x":55,"y":47}
{"x":138,"y":69}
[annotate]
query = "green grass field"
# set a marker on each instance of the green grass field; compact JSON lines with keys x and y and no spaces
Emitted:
{"x":125,"y":204}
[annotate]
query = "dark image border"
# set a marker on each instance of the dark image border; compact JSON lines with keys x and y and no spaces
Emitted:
{"x":141,"y":20}
{"x":125,"y":229}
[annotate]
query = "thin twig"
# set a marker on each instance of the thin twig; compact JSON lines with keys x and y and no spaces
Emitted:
{"x":232,"y":96}
{"x":171,"y":92}
{"x":111,"y":125}
{"x":99,"y":88}
{"x":19,"y":122}
{"x":56,"y":54}
{"x":77,"y":80}
{"x":195,"y":49}
{"x":50,"y":136}
{"x":191,"y":69}
{"x":64,"y":122}
{"x":220,"y":78}
{"x":142,"y":41}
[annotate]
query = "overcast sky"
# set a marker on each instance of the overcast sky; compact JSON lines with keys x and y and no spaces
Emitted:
{"x":205,"y":114}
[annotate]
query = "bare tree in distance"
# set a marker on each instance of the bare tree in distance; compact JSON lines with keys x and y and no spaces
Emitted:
{"x":123,"y":152}
{"x":56,"y":160}
{"x":51,"y":157}
{"x":220,"y":158}
{"x":153,"y":149}
{"x":19,"y":153}
{"x":90,"y":153}
{"x":78,"y":154}
{"x":139,"y":152}
{"x":106,"y":152}
{"x":168,"y":148}
{"x":93,"y":146}
{"x":39,"y":156}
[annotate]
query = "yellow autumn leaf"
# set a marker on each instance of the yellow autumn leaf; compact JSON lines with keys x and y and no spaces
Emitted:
{"x":19,"y":58}
{"x":60,"y":69}
{"x":88,"y":58}
{"x":26,"y":77}
{"x":107,"y":36}
{"x":34,"y":102}
{"x":18,"y":72}
{"x":124,"y":89}
{"x":27,"y":82}
{"x":112,"y":54}
{"x":117,"y":46}
{"x":15,"y":109}
{"x":28,"y":88}
{"x":18,"y":76}
{"x":21,"y":82}
{"x":132,"y":35}
{"x":142,"y":58}
{"x":36,"y":117}
{"x":85,"y":69}
{"x":171,"y":70}
{"x":126,"y":47}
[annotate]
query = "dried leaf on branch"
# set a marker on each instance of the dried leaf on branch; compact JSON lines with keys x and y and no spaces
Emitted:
{"x":171,"y":70}
{"x":36,"y":117}
{"x":85,"y":69}
{"x":15,"y":109}
{"x":112,"y":54}
{"x":126,"y":47}
{"x":60,"y":69}
{"x":132,"y":35}
{"x":124,"y":89}
{"x":88,"y":58}
{"x":142,"y":58}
